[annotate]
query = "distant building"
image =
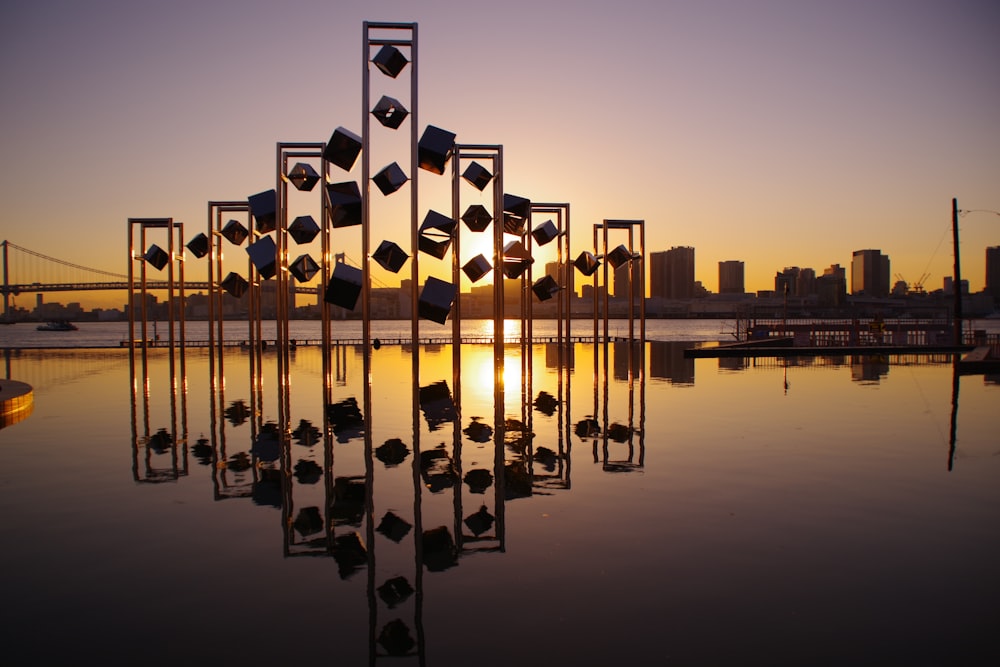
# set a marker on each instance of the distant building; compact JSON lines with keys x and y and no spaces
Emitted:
{"x":831,"y":287}
{"x":870,"y":273}
{"x":786,"y":281}
{"x":671,"y":273}
{"x":731,"y":277}
{"x":620,"y":285}
{"x":993,"y":273}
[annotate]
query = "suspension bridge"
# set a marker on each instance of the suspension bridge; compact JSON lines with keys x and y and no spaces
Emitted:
{"x":27,"y":271}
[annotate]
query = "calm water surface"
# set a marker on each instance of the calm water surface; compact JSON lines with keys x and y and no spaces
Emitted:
{"x":693,"y":512}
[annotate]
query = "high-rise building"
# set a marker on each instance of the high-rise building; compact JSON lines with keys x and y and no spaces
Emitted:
{"x":993,"y":272}
{"x":671,"y":273}
{"x":731,"y":277}
{"x":620,"y":285}
{"x":787,"y":281}
{"x":832,"y":286}
{"x":870,"y":273}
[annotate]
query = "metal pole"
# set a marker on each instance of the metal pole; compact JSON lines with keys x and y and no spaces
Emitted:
{"x":958,"y":273}
{"x":6,"y":283}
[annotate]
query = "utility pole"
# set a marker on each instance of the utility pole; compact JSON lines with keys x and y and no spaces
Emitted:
{"x":958,"y":273}
{"x":6,"y":293}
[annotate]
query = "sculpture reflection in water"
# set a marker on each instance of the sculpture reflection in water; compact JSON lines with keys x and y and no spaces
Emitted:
{"x":158,"y":455}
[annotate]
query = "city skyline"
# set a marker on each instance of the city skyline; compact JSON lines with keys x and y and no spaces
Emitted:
{"x":656,"y":263}
{"x":772,"y":133}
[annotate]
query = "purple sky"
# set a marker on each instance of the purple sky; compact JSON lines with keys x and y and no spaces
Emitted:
{"x":779,"y":133}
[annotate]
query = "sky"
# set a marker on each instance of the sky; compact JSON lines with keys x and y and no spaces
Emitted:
{"x":777,"y":132}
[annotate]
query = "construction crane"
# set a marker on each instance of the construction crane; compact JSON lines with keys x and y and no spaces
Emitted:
{"x":917,"y":287}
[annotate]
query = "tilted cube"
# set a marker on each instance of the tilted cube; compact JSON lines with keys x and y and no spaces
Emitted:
{"x":234,"y":284}
{"x":436,"y":299}
{"x":435,"y":234}
{"x":586,"y":263}
{"x":304,"y":268}
{"x":390,"y":256}
{"x":545,"y":288}
{"x":390,"y":60}
{"x":390,"y":112}
{"x":544,"y":233}
{"x":199,"y":245}
{"x":157,"y":257}
{"x":390,"y":179}
{"x":235,"y":232}
{"x":516,"y":211}
{"x":619,"y":256}
{"x":303,"y":229}
{"x":477,"y":175}
{"x":264,"y":207}
{"x":342,"y":149}
{"x":435,"y":148}
{"x":344,"y":201}
{"x":303,"y":177}
{"x":264,"y":255}
{"x":477,"y":267}
{"x":477,"y":218}
{"x":344,"y":287}
{"x":516,"y":259}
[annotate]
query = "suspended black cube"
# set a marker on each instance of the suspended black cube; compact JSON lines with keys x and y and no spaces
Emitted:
{"x":234,"y":284}
{"x":344,"y":287}
{"x":264,"y":207}
{"x":545,"y":232}
{"x":156,"y":257}
{"x":516,"y":259}
{"x":477,"y":218}
{"x":264,"y":255}
{"x":516,"y":211}
{"x":545,"y":288}
{"x":390,"y":112}
{"x":390,"y":256}
{"x":390,"y":60}
{"x":303,"y":177}
{"x":586,"y":263}
{"x":477,"y":175}
{"x":390,"y":179}
{"x":235,"y":232}
{"x":619,"y":256}
{"x":304,"y":268}
{"x":198,"y":246}
{"x":345,"y":204}
{"x":435,"y":148}
{"x":303,"y":229}
{"x":342,"y":149}
{"x":436,"y":299}
{"x":435,"y":234}
{"x":477,"y":267}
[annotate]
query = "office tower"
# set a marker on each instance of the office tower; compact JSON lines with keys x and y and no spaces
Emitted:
{"x":870,"y":273}
{"x":671,"y":273}
{"x":620,"y":285}
{"x":731,"y":277}
{"x":787,"y":281}
{"x":993,"y":272}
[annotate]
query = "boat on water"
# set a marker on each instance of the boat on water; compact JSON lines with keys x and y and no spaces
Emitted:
{"x":59,"y":325}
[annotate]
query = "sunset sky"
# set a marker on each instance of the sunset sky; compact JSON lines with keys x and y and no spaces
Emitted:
{"x":776,"y":132}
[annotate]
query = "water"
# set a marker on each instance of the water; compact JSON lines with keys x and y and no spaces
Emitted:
{"x":779,"y":512}
{"x":111,"y":334}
